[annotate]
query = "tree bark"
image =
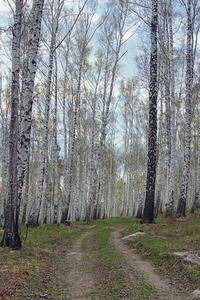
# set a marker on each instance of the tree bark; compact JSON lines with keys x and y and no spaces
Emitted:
{"x":27,"y":89}
{"x":44,"y":152}
{"x":148,"y":214}
{"x":189,"y":76}
{"x":11,"y":236}
{"x":170,"y":202}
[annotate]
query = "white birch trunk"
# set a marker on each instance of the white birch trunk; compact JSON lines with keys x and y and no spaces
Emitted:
{"x":4,"y":160}
{"x":92,"y":174}
{"x":170,"y":201}
{"x":189,"y":76}
{"x":84,"y":188}
{"x":196,"y":201}
{"x":148,"y":213}
{"x":161,"y":165}
{"x":110,"y":183}
{"x":27,"y":89}
{"x":65,"y":128}
{"x":26,"y":191}
{"x":78,"y":166}
{"x":197,"y":195}
{"x":114,"y":207}
{"x":44,"y":150}
{"x":68,"y":197}
{"x":11,"y":236}
{"x":55,"y":151}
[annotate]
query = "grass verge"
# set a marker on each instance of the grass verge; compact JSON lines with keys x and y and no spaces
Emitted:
{"x":27,"y":273}
{"x":164,"y":238}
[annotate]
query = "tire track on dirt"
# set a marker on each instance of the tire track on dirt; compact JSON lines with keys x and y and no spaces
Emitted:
{"x":135,"y":263}
{"x":75,"y":279}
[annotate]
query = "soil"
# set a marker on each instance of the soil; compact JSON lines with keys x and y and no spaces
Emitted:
{"x":72,"y":273}
{"x":74,"y":281}
{"x":135,"y":263}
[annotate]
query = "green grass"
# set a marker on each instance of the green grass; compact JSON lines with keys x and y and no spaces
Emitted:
{"x":166,"y":237}
{"x":28,"y":271}
{"x":114,"y":283}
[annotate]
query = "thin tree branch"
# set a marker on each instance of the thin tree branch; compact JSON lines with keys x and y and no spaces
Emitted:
{"x":70,"y":30}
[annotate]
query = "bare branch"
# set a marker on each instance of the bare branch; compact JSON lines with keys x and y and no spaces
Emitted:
{"x":70,"y":30}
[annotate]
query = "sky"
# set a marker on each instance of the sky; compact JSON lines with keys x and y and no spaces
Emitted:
{"x":128,"y":67}
{"x":4,"y":12}
{"x":127,"y":61}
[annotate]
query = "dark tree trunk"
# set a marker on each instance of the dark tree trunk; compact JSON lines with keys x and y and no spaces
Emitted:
{"x":148,"y":214}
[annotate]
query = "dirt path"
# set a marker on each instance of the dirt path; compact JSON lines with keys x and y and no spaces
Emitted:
{"x":135,"y":263}
{"x":73,"y":280}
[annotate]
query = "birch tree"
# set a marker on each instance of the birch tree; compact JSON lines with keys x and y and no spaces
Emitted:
{"x":148,"y":214}
{"x":83,"y":42}
{"x":92,"y":173}
{"x":55,"y":150}
{"x":188,"y":98}
{"x":113,"y":40}
{"x":4,"y":108}
{"x":55,"y":15}
{"x":11,"y":236}
{"x":197,"y":194}
{"x":28,"y":80}
{"x":170,"y":200}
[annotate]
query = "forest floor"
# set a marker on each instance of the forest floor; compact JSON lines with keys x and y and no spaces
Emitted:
{"x":92,"y":261}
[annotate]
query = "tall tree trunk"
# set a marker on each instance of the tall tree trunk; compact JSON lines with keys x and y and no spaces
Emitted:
{"x":110,"y":182}
{"x":196,"y":198}
{"x":26,"y":191}
{"x":65,"y":185}
{"x":11,"y":236}
{"x":161,"y":167}
{"x":148,"y":214}
{"x":84,"y":186}
{"x":197,"y":194}
{"x":44,"y":150}
{"x":68,"y":199}
{"x":27,"y":89}
{"x":189,"y":75}
{"x":78,"y":167}
{"x":92,"y":175}
{"x":170,"y":202}
{"x":4,"y":157}
{"x":55,"y":150}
